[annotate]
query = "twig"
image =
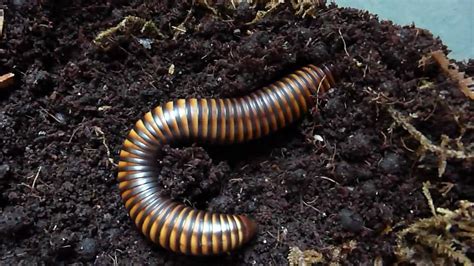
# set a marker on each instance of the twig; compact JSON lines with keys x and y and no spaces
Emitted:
{"x":114,"y":259}
{"x":447,"y":186}
{"x":74,"y":133}
{"x":312,"y":207}
{"x":32,"y":187}
{"x":36,"y":178}
{"x":51,"y":115}
{"x":344,"y":42}
{"x":235,"y":180}
{"x":329,"y":179}
{"x":179,"y":28}
{"x":405,"y":146}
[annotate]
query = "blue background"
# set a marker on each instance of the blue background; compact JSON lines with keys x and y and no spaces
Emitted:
{"x":451,"y":20}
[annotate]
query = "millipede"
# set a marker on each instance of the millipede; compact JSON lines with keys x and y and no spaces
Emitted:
{"x":175,"y":226}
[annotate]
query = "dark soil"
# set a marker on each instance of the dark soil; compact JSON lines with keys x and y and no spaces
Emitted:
{"x":72,"y":104}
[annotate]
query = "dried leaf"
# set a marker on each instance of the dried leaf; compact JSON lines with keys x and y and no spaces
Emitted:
{"x":465,"y":84}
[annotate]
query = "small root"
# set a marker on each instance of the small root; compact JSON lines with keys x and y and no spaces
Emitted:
{"x":36,"y":178}
{"x":344,"y":42}
{"x":98,"y":131}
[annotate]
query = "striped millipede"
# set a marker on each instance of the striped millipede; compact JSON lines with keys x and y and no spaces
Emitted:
{"x":175,"y":226}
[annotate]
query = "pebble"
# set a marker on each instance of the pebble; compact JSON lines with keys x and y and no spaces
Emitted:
{"x":369,"y":188}
{"x":88,"y":248}
{"x":392,"y":163}
{"x":60,"y":118}
{"x":12,"y":196}
{"x":4,"y":168}
{"x":357,"y":147}
{"x":39,"y":81}
{"x":18,"y":3}
{"x":62,"y":245}
{"x":350,"y":172}
{"x":14,"y":220}
{"x":299,"y":173}
{"x":351,"y":221}
{"x":334,"y":107}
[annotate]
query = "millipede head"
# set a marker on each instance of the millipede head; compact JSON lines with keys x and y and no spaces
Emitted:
{"x":332,"y":71}
{"x":250,"y":228}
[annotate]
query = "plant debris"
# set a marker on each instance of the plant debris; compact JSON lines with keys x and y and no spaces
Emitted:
{"x":305,"y":8}
{"x":443,"y":239}
{"x":302,"y":8}
{"x":296,"y":257}
{"x":426,"y":192}
{"x":339,"y":254}
{"x":333,"y":255}
{"x":426,"y":145}
{"x":234,"y":4}
{"x":130,"y":25}
{"x":466,"y":84}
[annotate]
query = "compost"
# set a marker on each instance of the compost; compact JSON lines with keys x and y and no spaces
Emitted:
{"x":341,"y":182}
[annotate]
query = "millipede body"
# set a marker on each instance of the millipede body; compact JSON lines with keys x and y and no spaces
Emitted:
{"x":183,"y":229}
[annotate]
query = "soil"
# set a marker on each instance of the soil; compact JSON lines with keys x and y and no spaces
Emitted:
{"x":344,"y":179}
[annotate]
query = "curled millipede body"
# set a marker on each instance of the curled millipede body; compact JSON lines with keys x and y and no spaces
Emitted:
{"x":175,"y":226}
